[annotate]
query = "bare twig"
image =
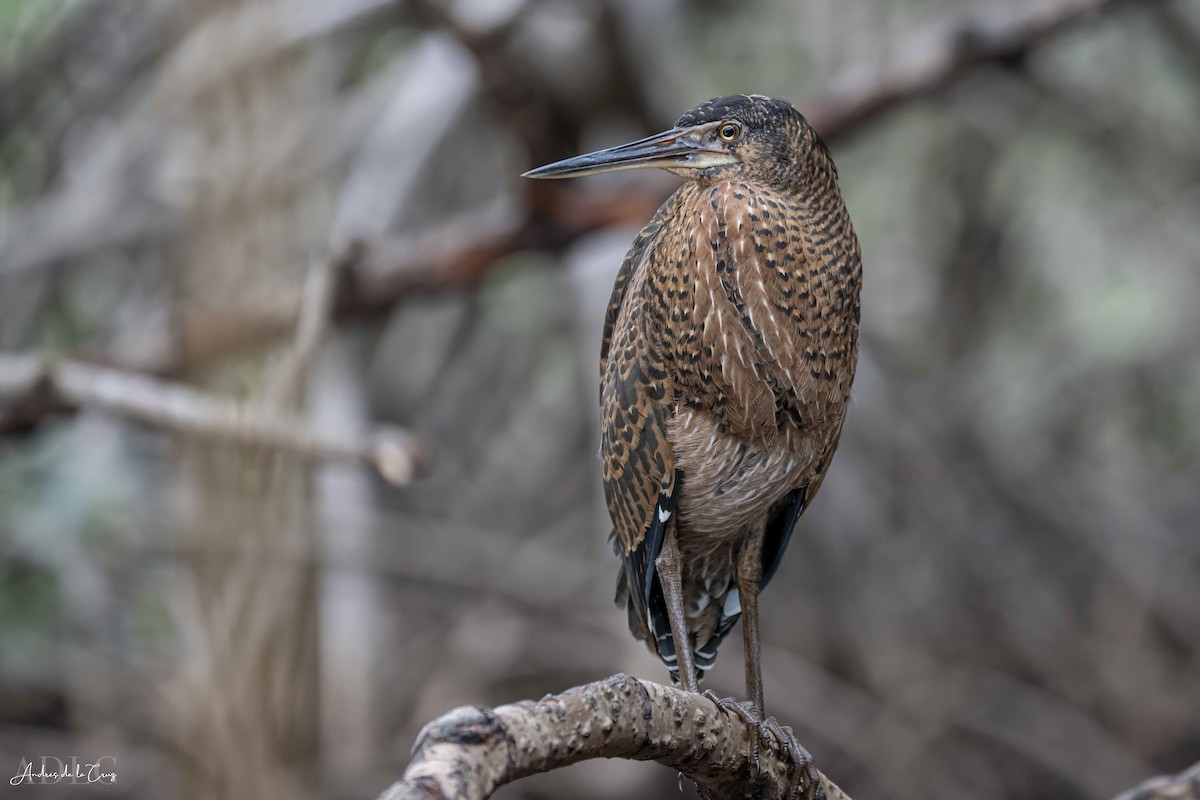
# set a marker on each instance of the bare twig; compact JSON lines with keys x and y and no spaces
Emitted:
{"x":471,"y":751}
{"x":315,"y":307}
{"x":32,"y":387}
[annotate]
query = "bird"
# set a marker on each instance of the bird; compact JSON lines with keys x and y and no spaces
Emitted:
{"x":729,"y":348}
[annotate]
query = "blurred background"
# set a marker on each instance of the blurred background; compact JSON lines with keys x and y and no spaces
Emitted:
{"x":249,"y":249}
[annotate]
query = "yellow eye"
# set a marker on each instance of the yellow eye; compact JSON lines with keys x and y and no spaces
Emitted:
{"x":729,"y":131}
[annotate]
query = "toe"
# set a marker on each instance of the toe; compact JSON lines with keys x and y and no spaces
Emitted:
{"x":732,"y":706}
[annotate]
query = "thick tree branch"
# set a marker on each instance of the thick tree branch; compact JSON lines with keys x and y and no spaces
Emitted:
{"x":32,"y":387}
{"x":469,"y":752}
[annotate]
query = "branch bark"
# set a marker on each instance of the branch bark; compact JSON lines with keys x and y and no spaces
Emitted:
{"x":32,"y":388}
{"x":471,"y":751}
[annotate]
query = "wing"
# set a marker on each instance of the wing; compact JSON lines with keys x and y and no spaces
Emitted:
{"x":640,"y":479}
{"x":638,"y":586}
{"x":638,"y":252}
{"x":639,"y":462}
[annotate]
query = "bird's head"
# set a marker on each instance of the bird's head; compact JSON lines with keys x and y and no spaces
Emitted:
{"x":752,"y":136}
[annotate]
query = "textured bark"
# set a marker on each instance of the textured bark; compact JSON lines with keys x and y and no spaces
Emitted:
{"x":470,"y":751}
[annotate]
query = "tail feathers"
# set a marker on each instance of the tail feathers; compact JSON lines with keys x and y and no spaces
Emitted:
{"x":664,"y":642}
{"x":731,"y":612}
{"x":703,"y":658}
{"x":655,"y":631}
{"x":654,"y":628}
{"x":704,"y":655}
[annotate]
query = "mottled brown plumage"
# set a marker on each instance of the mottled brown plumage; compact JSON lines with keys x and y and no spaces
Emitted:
{"x":729,"y":348}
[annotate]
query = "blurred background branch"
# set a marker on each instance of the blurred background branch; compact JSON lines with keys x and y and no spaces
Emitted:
{"x":32,"y":388}
{"x":455,"y":254}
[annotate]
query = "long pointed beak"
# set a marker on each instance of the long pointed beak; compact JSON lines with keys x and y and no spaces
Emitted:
{"x":678,"y":148}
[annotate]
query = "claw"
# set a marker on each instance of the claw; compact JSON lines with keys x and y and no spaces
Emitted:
{"x":731,"y":706}
{"x":778,"y":738}
{"x":789,"y":745}
{"x":771,"y":726}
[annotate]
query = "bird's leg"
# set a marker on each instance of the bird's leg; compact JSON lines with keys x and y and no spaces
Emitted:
{"x":670,"y":572}
{"x":749,"y":573}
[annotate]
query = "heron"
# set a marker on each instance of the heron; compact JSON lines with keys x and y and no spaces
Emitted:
{"x":729,"y":348}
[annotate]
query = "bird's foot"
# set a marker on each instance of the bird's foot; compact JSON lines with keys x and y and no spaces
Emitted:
{"x":786,"y":744}
{"x":744,"y":712}
{"x":777,"y":738}
{"x":731,"y":706}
